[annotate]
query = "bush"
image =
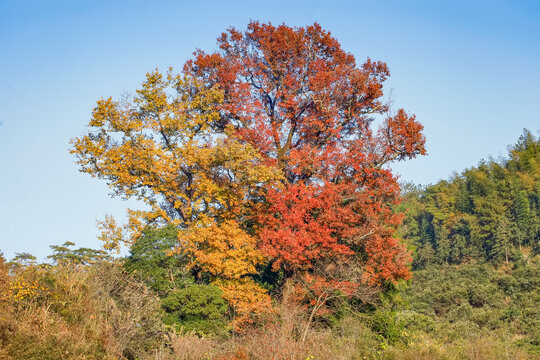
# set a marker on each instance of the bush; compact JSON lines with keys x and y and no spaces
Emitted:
{"x":387,"y":324}
{"x":416,"y":321}
{"x":76,"y":311}
{"x":198,"y":308}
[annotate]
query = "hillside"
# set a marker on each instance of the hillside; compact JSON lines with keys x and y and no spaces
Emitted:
{"x":474,"y":294}
{"x":490,"y":212}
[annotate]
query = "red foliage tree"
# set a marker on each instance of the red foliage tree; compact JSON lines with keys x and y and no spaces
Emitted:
{"x":303,"y":102}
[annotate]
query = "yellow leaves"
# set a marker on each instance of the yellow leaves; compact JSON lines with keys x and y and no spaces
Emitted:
{"x":22,"y":290}
{"x":105,"y":112}
{"x":248,"y":300}
{"x":229,"y":254}
{"x":27,"y":286}
{"x":138,"y":220}
{"x":152,"y":97}
{"x":149,"y":147}
{"x":111,"y":234}
{"x":222,"y":250}
{"x":176,"y":105}
{"x":168,"y":149}
{"x":230,"y":171}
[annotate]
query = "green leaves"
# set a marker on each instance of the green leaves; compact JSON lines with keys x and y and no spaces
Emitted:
{"x":490,"y":212}
{"x":153,"y":259}
{"x":197,"y":308}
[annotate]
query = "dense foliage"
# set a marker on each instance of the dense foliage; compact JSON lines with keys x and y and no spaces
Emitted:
{"x":274,"y":227}
{"x":153,"y":260}
{"x":475,"y":299}
{"x":262,"y":154}
{"x":100,"y":311}
{"x":489,"y":212}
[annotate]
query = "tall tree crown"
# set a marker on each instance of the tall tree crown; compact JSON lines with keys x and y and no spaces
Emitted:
{"x":302,"y":101}
{"x":296,"y":95}
{"x":261,"y":152}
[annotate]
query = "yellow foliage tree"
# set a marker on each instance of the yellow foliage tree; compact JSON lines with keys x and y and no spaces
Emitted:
{"x":167,"y":148}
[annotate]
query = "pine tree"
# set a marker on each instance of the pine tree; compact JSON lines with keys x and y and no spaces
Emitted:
{"x":501,"y":246}
{"x":425,"y":256}
{"x":443,"y":245}
{"x":522,"y":216}
{"x":426,"y":230}
{"x":463,"y":199}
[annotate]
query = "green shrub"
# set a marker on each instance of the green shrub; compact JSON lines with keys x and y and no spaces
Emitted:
{"x":387,"y":324}
{"x":197,"y":308}
{"x":152,"y":261}
{"x":416,"y":321}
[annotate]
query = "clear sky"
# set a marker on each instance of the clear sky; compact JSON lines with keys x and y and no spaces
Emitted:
{"x":469,"y":70}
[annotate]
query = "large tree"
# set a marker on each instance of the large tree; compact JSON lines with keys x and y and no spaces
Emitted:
{"x":302,"y":101}
{"x":159,"y":147}
{"x":263,"y":152}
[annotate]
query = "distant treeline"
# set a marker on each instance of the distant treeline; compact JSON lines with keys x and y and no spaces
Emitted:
{"x":489,"y":212}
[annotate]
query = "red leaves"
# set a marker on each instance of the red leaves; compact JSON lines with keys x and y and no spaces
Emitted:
{"x":300,"y":99}
{"x":302,"y":224}
{"x":402,"y":136}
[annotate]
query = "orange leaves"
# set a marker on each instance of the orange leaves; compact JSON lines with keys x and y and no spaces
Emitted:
{"x":248,"y":300}
{"x":387,"y":260}
{"x":303,"y":224}
{"x":301,"y":100}
{"x":228,"y":254}
{"x":222,"y":250}
{"x":402,"y":135}
{"x":263,"y":150}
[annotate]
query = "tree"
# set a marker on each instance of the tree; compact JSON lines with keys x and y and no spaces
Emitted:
{"x":427,"y":233}
{"x":22,"y":260}
{"x":522,"y":217}
{"x":425,"y":256}
{"x":261,"y":151}
{"x":335,"y":282}
{"x":153,"y":258}
{"x":64,"y":254}
{"x":502,"y":243}
{"x":160,"y":147}
{"x":461,"y":248}
{"x":297,"y":97}
{"x":485,"y":212}
{"x":444,"y":247}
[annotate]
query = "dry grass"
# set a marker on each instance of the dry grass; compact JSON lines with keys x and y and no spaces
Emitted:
{"x":80,"y":313}
{"x":102,"y":313}
{"x":190,"y":347}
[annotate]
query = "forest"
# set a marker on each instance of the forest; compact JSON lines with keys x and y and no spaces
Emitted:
{"x":274,"y":227}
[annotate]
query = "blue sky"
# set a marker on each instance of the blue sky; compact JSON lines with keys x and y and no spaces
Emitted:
{"x":469,"y":70}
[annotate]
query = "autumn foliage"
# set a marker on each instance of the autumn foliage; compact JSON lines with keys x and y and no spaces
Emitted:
{"x":262,"y":152}
{"x":302,"y":101}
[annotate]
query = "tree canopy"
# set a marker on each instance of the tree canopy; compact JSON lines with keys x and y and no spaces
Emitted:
{"x":490,"y":212}
{"x":298,"y":98}
{"x":263,"y":152}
